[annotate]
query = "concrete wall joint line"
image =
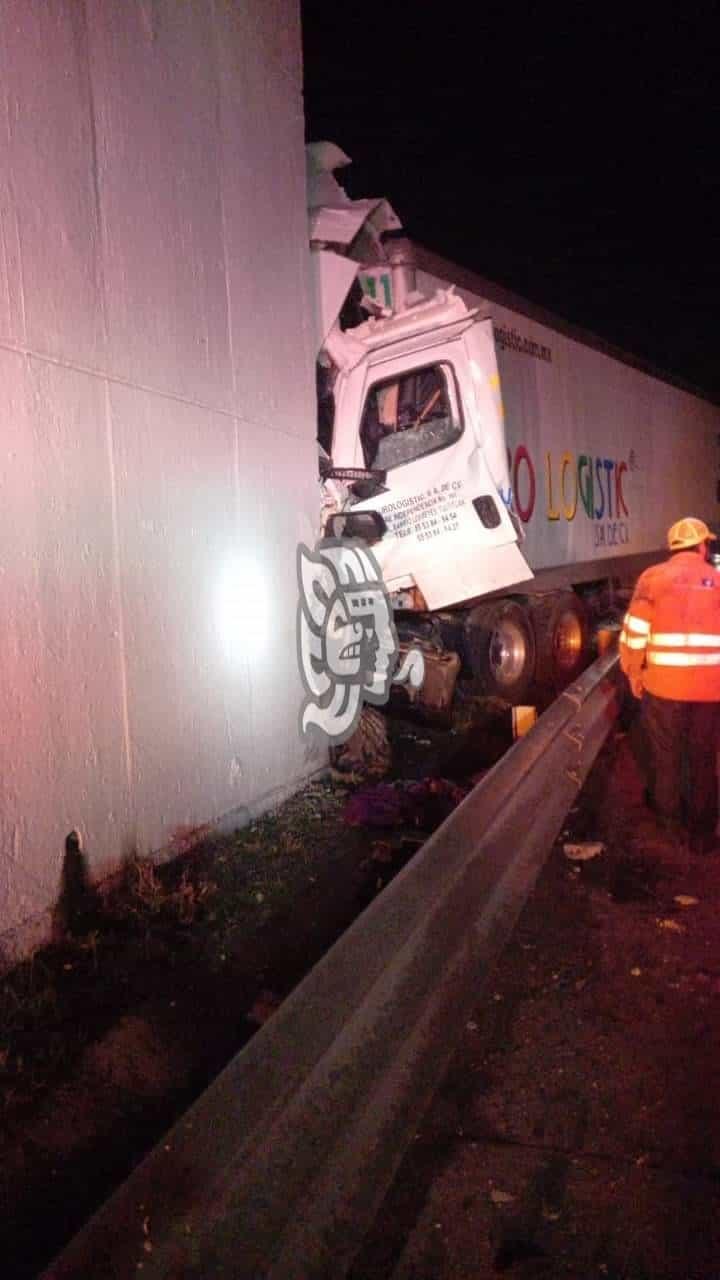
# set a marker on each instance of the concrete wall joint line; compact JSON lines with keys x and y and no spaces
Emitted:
{"x":95,"y":172}
{"x":117,"y":569}
{"x":17,"y":348}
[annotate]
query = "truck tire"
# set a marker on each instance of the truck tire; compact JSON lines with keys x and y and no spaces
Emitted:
{"x":562,"y":639}
{"x":500,"y":650}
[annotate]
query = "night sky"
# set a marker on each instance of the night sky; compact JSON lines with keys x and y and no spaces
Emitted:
{"x":571,"y":158}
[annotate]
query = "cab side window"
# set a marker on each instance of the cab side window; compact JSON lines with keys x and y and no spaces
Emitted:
{"x":407,"y":416}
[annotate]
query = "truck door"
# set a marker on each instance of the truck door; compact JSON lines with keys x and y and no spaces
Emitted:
{"x":448,"y":528}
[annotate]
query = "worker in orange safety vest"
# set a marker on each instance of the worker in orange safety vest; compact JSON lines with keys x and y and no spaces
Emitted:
{"x":670,"y":653}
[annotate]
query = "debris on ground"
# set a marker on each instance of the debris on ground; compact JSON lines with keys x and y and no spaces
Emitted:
{"x":583,"y":852}
{"x":367,"y":753}
{"x":501,"y":1197}
{"x":672,"y":926}
{"x":424,"y":804}
{"x":267,"y":1003}
{"x":384,"y":805}
{"x":382,"y":851}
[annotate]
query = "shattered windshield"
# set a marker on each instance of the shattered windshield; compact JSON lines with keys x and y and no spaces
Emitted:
{"x":408,"y":416}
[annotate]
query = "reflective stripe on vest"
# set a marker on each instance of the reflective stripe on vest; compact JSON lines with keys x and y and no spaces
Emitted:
{"x":633,"y":623}
{"x":634,"y":634}
{"x":684,"y":659}
{"x":684,"y":640}
{"x":631,"y":642}
{"x":687,"y":641}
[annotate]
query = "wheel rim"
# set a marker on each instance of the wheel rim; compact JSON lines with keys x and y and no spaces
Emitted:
{"x":508,"y":654}
{"x":567,"y":641}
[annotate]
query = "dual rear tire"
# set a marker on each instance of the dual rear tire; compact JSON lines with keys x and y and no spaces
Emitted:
{"x":516,"y":651}
{"x":562,"y":637}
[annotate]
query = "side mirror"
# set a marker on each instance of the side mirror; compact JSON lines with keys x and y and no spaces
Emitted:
{"x":368,"y":526}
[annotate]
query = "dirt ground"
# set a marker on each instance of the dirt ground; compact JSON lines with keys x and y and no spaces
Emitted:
{"x":107,"y":1036}
{"x":577,"y":1132}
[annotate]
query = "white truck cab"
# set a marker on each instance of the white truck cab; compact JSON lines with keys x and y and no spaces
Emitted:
{"x":417,"y":401}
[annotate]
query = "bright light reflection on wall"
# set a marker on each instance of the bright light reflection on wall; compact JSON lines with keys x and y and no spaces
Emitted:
{"x":243,"y":610}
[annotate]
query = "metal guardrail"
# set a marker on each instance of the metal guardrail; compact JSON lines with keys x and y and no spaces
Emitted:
{"x":277,"y":1171}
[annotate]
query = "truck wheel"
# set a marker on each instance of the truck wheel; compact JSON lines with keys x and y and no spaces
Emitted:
{"x":562,"y":637}
{"x":500,"y":648}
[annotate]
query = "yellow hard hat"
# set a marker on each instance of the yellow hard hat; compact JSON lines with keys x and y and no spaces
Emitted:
{"x":688,"y":532}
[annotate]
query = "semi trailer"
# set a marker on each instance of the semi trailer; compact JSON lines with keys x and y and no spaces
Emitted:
{"x":511,"y":474}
